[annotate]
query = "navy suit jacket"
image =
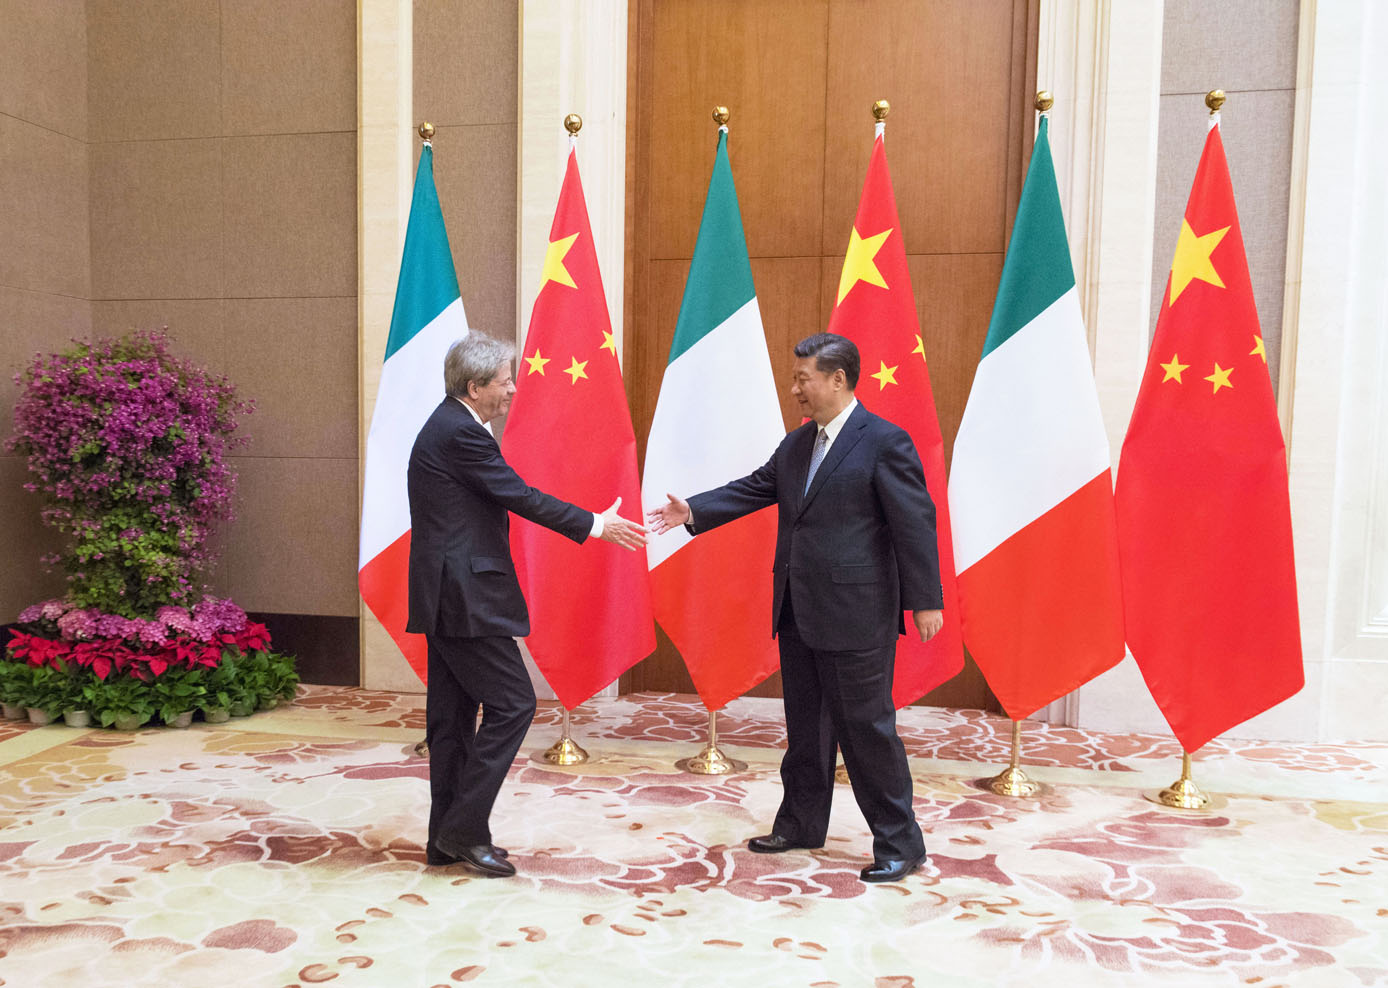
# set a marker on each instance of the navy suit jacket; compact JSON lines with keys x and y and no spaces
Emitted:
{"x":854,"y":551}
{"x":462,"y":578}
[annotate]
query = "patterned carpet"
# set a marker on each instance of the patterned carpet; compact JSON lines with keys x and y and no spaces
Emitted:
{"x":286,"y":849}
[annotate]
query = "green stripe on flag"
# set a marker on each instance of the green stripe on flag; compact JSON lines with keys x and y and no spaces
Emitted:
{"x":1037,"y":270}
{"x":428,"y":283}
{"x":720,"y":275}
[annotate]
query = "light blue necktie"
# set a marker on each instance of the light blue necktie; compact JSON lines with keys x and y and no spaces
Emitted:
{"x":821,"y":446}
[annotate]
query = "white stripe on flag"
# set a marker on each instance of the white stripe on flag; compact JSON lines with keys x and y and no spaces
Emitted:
{"x":716,"y":419}
{"x":411,"y":387}
{"x":1032,"y":432}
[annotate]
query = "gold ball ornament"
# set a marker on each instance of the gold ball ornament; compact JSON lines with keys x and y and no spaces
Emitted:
{"x":426,"y":131}
{"x":1214,"y":99}
{"x":880,"y":109}
{"x":721,"y":116}
{"x":573,"y":123}
{"x":1044,"y":100}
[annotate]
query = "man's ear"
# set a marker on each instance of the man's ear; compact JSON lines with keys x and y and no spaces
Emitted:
{"x":840,"y":378}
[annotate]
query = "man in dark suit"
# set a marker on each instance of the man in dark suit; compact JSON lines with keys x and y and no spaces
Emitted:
{"x":855,"y":547}
{"x":466,"y":600}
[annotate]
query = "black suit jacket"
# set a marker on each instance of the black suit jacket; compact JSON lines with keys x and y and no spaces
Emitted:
{"x":462,"y":578}
{"x":854,"y":551}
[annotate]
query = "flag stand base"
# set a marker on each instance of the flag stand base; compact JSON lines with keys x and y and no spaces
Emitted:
{"x":565,"y":751}
{"x":1012,"y":781}
{"x":1184,"y":794}
{"x":711,"y":760}
{"x":841,"y":775}
{"x":421,"y":749}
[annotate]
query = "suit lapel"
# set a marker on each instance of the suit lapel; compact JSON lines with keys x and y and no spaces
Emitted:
{"x":847,"y":438}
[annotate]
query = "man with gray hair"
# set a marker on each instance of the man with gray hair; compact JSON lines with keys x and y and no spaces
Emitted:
{"x":466,"y":601}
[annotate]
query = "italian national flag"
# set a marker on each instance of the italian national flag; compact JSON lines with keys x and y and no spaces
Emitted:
{"x":427,"y":319}
{"x":716,"y":419}
{"x":1030,"y":490}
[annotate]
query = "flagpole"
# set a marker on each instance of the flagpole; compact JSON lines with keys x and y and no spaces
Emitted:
{"x":1012,"y":781}
{"x":566,"y":750}
{"x":711,"y":760}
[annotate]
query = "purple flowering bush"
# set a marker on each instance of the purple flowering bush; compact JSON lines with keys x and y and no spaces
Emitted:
{"x":127,"y":445}
{"x":127,"y":442}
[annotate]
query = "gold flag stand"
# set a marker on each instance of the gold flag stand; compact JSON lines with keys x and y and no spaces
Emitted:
{"x":841,"y":774}
{"x":1184,"y":794}
{"x":565,"y":751}
{"x":711,"y":760}
{"x":1012,"y":781}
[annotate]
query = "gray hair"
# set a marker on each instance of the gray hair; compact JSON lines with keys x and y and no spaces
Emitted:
{"x":476,"y":357}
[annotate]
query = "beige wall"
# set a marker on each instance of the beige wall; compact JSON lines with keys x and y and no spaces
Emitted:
{"x":465,"y":84}
{"x":193,"y":164}
{"x":45,"y":266}
{"x":1248,"y":49}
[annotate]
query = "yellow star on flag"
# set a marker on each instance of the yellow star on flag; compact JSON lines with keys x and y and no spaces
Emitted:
{"x":1258,"y":349}
{"x":609,"y":342}
{"x":885,"y":376}
{"x":537,"y":363}
{"x":554,"y":269}
{"x":1192,"y":260}
{"x":1173,"y":370}
{"x":920,"y":347}
{"x":1220,"y":377}
{"x":575,"y":369}
{"x":858,"y":264}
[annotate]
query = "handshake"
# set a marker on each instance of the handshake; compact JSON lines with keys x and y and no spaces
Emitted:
{"x":629,"y":534}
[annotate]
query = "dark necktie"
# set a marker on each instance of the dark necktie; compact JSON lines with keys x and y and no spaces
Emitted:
{"x":821,"y":445}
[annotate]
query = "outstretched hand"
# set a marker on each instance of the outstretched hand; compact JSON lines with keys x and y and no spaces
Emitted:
{"x":660,"y":520}
{"x":620,"y":531}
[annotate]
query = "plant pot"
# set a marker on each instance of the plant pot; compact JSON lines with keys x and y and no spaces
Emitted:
{"x":39,"y":717}
{"x":13,"y":711}
{"x":127,"y":722}
{"x":184,"y":719}
{"x":268,"y":703}
{"x":77,"y":718}
{"x":217,"y":715}
{"x":240,"y":710}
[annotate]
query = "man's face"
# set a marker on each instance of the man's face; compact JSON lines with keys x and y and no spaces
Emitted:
{"x":817,"y":392}
{"x":494,"y":397}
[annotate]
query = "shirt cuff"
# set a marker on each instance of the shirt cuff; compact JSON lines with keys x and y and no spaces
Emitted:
{"x":598,"y":526}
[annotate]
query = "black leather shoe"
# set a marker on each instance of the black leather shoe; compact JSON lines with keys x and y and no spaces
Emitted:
{"x":436,"y":858}
{"x":773,"y":844}
{"x":482,"y":857}
{"x":893,"y":870}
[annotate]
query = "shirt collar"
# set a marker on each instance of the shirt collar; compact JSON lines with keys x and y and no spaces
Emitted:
{"x":470,"y":410}
{"x":835,"y":425}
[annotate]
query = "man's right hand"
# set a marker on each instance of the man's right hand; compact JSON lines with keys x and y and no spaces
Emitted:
{"x":660,"y":520}
{"x":620,"y":531}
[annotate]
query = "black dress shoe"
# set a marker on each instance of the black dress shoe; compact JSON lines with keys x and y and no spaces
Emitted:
{"x":773,"y":844}
{"x":482,"y":857}
{"x":892,"y":870}
{"x":436,"y":858}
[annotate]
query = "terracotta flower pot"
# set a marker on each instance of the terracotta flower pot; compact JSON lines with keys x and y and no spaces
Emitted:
{"x":77,"y":718}
{"x":39,"y":717}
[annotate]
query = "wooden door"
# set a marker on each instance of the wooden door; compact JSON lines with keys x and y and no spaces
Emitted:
{"x":800,"y":77}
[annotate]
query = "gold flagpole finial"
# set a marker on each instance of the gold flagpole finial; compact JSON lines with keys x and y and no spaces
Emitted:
{"x":573,"y":123}
{"x":1214,"y":99}
{"x":721,"y":116}
{"x":880,"y":109}
{"x":1044,"y":101}
{"x":426,"y":131}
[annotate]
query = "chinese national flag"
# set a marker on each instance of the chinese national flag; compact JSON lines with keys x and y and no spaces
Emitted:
{"x":1204,"y":522}
{"x":569,"y":434}
{"x":876,"y":309}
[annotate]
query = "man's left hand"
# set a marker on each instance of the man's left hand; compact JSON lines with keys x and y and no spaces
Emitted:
{"x":928,"y":623}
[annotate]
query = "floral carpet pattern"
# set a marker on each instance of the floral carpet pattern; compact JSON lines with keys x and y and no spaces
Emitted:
{"x":285,"y":849}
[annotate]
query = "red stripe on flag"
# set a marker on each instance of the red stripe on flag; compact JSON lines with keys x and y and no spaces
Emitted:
{"x":1037,"y":639}
{"x":713,"y":598}
{"x":385,"y":586}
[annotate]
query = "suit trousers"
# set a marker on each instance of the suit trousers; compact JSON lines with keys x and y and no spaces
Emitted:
{"x":468,"y":761}
{"x":843,"y":699}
